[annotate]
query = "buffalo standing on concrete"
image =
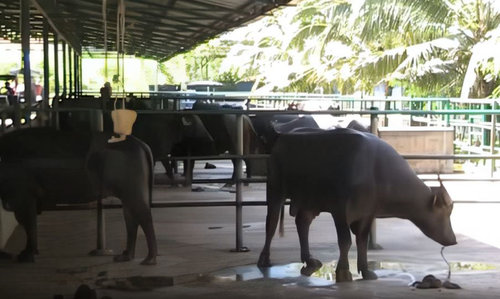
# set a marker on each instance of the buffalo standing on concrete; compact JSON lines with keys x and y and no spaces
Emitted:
{"x":356,"y":177}
{"x":42,"y":167}
{"x":222,"y":127}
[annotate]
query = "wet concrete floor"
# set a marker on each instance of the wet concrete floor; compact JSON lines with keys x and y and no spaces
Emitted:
{"x":196,"y":260}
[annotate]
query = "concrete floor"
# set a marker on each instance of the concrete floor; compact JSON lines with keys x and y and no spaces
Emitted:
{"x":196,"y":260}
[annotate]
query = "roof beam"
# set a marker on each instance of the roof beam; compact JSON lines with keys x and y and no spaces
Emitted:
{"x":46,"y":8}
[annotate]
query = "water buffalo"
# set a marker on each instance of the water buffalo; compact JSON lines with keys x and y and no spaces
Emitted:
{"x":165,"y":134}
{"x":264,"y":125}
{"x":356,"y":177}
{"x":268,"y":126}
{"x":222,"y":127}
{"x":41,"y":167}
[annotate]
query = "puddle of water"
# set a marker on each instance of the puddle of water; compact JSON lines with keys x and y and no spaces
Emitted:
{"x":324,"y":277}
{"x":468,"y":266}
{"x":288,"y":275}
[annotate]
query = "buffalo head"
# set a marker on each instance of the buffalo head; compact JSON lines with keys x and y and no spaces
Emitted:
{"x":438,"y":224}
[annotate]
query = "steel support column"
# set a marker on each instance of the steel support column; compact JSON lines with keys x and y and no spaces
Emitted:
{"x":75,"y":72}
{"x":55,"y":101}
{"x":64,"y":76}
{"x":239,"y":185}
{"x":101,"y":249}
{"x":70,"y":71}
{"x":46,"y":65}
{"x":372,"y":240}
{"x":25,"y":46}
{"x":493,"y":136}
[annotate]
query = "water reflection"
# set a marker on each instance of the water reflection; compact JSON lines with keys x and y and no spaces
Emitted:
{"x":325,"y":276}
{"x":288,"y":275}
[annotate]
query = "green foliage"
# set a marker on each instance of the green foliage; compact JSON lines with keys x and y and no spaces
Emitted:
{"x":164,"y":70}
{"x":228,"y":77}
{"x":203,"y":62}
{"x":425,"y":46}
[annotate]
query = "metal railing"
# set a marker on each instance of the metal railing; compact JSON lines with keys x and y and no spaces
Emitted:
{"x":239,"y":156}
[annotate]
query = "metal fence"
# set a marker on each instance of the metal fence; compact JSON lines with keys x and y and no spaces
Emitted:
{"x":428,"y":112}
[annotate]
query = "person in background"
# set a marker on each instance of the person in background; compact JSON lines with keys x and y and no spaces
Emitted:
{"x":9,"y":90}
{"x":105,"y":94}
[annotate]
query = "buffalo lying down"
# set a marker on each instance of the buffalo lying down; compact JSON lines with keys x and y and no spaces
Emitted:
{"x":42,"y":167}
{"x":356,"y":177}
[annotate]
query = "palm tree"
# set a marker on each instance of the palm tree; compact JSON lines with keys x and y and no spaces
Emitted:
{"x":426,"y":45}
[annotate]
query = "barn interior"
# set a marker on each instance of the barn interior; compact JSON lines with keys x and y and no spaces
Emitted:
{"x":210,"y":239}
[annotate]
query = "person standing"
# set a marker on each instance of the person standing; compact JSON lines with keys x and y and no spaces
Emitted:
{"x":9,"y":90}
{"x":106,"y":91}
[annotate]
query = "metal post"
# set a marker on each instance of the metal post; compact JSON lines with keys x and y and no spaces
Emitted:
{"x":46,"y":66}
{"x":239,"y":185}
{"x":25,"y":46}
{"x":70,"y":71}
{"x":55,"y":101}
{"x":75,"y":71}
{"x":80,"y":76}
{"x":101,"y":224}
{"x":447,"y":107}
{"x":44,"y":116}
{"x":65,"y":90}
{"x":188,"y":171}
{"x":372,"y":240}
{"x":493,"y":138}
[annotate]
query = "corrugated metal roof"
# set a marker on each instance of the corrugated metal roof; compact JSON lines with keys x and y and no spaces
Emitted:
{"x":153,"y":28}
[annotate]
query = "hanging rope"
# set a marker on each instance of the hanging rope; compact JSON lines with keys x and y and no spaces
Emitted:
{"x":120,"y":43}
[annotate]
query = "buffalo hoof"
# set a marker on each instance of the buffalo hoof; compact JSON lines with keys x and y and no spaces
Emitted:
{"x":26,"y":257}
{"x":264,"y":261}
{"x":124,"y":257}
{"x":85,"y":292}
{"x":148,"y":261}
{"x":368,"y":275}
{"x":450,"y":285}
{"x":429,"y":282}
{"x":5,"y":255}
{"x":343,"y":275}
{"x":312,"y":265}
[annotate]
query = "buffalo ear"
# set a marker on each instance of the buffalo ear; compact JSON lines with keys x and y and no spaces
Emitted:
{"x":440,"y":181}
{"x":441,"y":197}
{"x":434,"y":201}
{"x":436,"y":195}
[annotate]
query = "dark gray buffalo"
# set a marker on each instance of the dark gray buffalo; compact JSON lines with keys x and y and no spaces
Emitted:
{"x":356,"y":177}
{"x":42,"y":167}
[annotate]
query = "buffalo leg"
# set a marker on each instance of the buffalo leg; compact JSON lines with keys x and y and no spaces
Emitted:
{"x":167,"y":164}
{"x":273,"y":213}
{"x":303,"y":222}
{"x":140,"y":213}
{"x":27,"y":219}
{"x":132,"y":226}
{"x":249,"y":170}
{"x":147,"y":226}
{"x":233,"y":176}
{"x":361,"y":229}
{"x":342,"y":272}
